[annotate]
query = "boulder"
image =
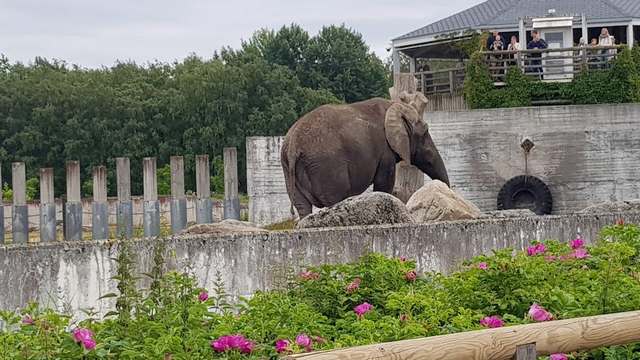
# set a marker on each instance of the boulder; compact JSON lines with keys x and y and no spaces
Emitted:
{"x":373,"y":208}
{"x":513,"y":213}
{"x":613,"y":207}
{"x":436,"y":202}
{"x":225,"y":227}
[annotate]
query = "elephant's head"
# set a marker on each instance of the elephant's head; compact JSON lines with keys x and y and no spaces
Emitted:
{"x":408,"y":136}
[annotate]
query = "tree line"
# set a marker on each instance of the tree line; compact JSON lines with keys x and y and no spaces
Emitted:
{"x":52,"y":112}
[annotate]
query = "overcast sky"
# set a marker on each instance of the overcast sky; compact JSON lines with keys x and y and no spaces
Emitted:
{"x":94,"y":33}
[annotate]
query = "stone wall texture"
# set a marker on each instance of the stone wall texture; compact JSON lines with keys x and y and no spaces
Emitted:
{"x":73,"y":275}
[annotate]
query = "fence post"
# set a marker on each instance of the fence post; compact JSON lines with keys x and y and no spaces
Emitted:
{"x":73,"y":209}
{"x":125,"y":207}
{"x":451,"y":82}
{"x":20,"y":218}
{"x":231,"y":199}
{"x":178,"y":200}
{"x":526,"y":352}
{"x":151,"y":217}
{"x":1,"y":209}
{"x":100,"y":206}
{"x":47,"y":206}
{"x":204,"y":214}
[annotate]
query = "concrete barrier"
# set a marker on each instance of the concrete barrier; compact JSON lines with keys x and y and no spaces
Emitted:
{"x":73,"y":275}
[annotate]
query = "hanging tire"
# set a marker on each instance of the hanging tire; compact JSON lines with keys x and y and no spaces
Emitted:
{"x":526,"y":192}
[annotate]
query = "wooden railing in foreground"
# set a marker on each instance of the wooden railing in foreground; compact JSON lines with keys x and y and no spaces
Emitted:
{"x":561,"y":336}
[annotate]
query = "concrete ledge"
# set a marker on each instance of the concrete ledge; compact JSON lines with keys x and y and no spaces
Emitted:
{"x":73,"y":275}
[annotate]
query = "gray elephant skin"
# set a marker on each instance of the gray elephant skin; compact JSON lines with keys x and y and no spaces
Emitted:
{"x":338,"y":151}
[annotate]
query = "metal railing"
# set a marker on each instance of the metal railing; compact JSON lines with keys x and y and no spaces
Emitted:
{"x":550,"y":64}
{"x":446,"y":81}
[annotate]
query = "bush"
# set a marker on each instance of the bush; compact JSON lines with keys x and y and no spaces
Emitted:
{"x":376,"y":299}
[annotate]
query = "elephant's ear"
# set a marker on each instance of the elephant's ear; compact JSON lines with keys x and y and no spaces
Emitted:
{"x":397,"y":131}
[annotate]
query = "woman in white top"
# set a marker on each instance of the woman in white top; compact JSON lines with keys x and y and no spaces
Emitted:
{"x":514,"y":45}
{"x":606,"y":40}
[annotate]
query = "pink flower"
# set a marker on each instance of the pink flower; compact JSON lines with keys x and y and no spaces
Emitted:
{"x":577,"y":243}
{"x":580,"y":254}
{"x":89,"y":344}
{"x":404,"y":317}
{"x":620,"y":222}
{"x":232,"y":342}
{"x":309,"y":275}
{"x":492,"y":322}
{"x":203,"y":296}
{"x":538,"y":313}
{"x":82,"y":334}
{"x":27,"y":320}
{"x":362,"y":309}
{"x":304,"y":341}
{"x":403,"y":259}
{"x":282,"y":345}
{"x":558,"y":356}
{"x":483,"y":266}
{"x":536,"y":249}
{"x":411,"y":275}
{"x":353,"y":286}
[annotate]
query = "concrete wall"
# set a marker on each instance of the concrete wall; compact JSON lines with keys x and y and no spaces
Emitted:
{"x":585,"y":154}
{"x":73,"y":275}
{"x":165,"y":212}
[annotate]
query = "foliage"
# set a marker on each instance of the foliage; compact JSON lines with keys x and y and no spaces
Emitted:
{"x":174,"y":318}
{"x":51,"y":112}
{"x":618,"y":84}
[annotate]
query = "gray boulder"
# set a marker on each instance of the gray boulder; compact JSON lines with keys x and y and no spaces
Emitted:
{"x":373,"y":208}
{"x":225,"y":227}
{"x":435,"y":201}
{"x":613,"y":207}
{"x":513,"y":213}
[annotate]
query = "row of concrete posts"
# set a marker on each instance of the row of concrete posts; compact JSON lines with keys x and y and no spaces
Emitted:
{"x":72,"y":207}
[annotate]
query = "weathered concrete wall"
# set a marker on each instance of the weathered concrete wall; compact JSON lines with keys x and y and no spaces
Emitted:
{"x":165,"y":213}
{"x":586,"y":155}
{"x":74,"y":275}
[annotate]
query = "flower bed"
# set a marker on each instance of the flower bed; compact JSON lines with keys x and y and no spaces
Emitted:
{"x":377,"y":299}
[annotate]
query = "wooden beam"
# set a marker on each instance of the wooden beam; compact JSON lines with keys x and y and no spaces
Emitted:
{"x":550,"y":337}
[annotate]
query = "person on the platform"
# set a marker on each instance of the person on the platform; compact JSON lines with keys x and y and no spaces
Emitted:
{"x":606,"y":40}
{"x":537,"y":43}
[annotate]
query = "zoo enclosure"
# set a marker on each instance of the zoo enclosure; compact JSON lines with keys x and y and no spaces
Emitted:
{"x":72,"y":206}
{"x":521,"y":342}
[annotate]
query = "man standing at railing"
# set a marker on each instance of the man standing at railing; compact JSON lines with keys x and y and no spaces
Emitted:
{"x":536,"y":44}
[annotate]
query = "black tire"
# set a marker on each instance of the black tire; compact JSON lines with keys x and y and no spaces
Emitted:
{"x":526,"y":192}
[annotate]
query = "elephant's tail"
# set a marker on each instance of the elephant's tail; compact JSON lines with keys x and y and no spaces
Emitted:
{"x":290,"y":157}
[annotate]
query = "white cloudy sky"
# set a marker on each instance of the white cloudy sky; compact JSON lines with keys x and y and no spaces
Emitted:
{"x":93,"y":33}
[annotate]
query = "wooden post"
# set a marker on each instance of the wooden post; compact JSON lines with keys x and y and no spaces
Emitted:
{"x":408,"y":178}
{"x":178,"y":200}
{"x":1,"y":209}
{"x":20,"y":211}
{"x":204,"y":214}
{"x":100,"y":206}
{"x":151,"y":217}
{"x":73,"y":208}
{"x":47,"y":206}
{"x":452,"y":83}
{"x":125,"y":207}
{"x":526,"y":352}
{"x":231,"y":199}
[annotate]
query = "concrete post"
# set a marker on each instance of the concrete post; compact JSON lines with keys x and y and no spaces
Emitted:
{"x":412,"y":65}
{"x":151,"y":216}
{"x":408,"y":178}
{"x":630,"y":36}
{"x":100,"y":206}
{"x":73,"y":208}
{"x":1,"y":209}
{"x":125,"y":207}
{"x":178,"y":200}
{"x":395,"y":58}
{"x":47,"y":207}
{"x":204,"y":208}
{"x":585,"y":29}
{"x":20,"y":219}
{"x":231,"y":199}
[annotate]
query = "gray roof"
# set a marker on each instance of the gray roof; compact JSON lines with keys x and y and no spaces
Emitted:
{"x":505,"y":12}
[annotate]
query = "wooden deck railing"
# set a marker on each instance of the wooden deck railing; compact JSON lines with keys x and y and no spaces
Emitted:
{"x":512,"y":342}
{"x":446,"y":81}
{"x":550,"y":64}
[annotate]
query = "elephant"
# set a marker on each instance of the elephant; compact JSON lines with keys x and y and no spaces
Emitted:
{"x":338,"y":151}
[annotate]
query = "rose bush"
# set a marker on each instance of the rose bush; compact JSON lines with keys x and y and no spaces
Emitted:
{"x":376,"y":299}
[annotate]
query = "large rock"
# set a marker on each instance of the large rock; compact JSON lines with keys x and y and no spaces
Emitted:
{"x":436,"y":202}
{"x":374,"y":208}
{"x":613,"y":207}
{"x":225,"y":227}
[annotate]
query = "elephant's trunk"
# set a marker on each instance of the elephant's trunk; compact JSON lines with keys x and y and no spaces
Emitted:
{"x":438,"y":171}
{"x":428,"y":160}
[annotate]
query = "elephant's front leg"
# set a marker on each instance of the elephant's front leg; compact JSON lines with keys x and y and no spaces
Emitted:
{"x":385,"y":177}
